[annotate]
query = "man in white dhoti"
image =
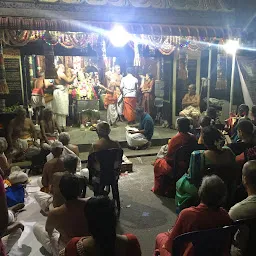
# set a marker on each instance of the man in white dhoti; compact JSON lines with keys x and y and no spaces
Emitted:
{"x":60,"y":102}
{"x":115,"y":80}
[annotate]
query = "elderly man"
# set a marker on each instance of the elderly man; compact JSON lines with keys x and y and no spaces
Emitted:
{"x":22,"y":135}
{"x":68,"y":149}
{"x":64,"y":222}
{"x":129,"y":88}
{"x":64,"y":138}
{"x":190,"y":104}
{"x":245,"y":209}
{"x":207,"y":215}
{"x":145,"y":132}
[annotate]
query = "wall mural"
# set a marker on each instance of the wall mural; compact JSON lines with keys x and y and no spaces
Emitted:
{"x":176,"y":4}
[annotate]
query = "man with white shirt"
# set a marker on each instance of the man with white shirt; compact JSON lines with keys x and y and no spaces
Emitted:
{"x":129,"y":88}
{"x":245,"y":209}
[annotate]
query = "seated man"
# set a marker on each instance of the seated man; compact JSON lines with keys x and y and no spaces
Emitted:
{"x":141,"y":138}
{"x":245,"y":209}
{"x":4,"y":164}
{"x":52,"y":166}
{"x":49,"y":127}
{"x":191,"y":105}
{"x":164,"y":166}
{"x":14,"y":230}
{"x":245,"y":134}
{"x":207,"y":215}
{"x":64,"y":138}
{"x":22,"y":136}
{"x":64,"y":222}
{"x":104,"y":142}
{"x":68,"y":149}
{"x":55,"y":199}
{"x":243,"y":114}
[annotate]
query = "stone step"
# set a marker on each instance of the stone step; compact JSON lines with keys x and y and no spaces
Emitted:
{"x":152,"y":151}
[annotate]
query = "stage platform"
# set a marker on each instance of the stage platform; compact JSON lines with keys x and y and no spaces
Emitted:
{"x":85,"y":138}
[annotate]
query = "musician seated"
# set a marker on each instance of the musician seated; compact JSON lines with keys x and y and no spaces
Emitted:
{"x":190,"y":105}
{"x":49,"y":127}
{"x":22,"y":136}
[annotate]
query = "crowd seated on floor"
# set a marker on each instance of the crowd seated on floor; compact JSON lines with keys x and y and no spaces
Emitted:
{"x":213,"y":183}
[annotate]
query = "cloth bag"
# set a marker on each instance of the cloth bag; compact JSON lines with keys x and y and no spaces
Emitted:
{"x":15,"y":195}
{"x":135,"y":140}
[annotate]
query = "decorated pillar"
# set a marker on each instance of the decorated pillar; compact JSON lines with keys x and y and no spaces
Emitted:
{"x":3,"y":84}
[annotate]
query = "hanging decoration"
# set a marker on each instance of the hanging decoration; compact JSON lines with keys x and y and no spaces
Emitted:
{"x":167,"y":47}
{"x":80,"y":40}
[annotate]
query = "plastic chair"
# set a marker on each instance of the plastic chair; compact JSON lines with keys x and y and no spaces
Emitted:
{"x":210,"y":242}
{"x":180,"y":167}
{"x":251,"y":224}
{"x":110,"y":162}
{"x":181,"y":160}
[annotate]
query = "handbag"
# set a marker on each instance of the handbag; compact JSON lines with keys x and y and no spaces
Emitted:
{"x":15,"y":195}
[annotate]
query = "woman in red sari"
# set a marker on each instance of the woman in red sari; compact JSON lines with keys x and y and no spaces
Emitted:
{"x":100,"y":213}
{"x":163,"y":166}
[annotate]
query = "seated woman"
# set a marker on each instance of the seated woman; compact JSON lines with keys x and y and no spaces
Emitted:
{"x":215,"y":154}
{"x":49,"y":127}
{"x":207,"y":215}
{"x":22,"y":136}
{"x":163,"y":166}
{"x":103,"y":239}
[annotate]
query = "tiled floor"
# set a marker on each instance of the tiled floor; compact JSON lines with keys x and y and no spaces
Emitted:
{"x":143,"y":213}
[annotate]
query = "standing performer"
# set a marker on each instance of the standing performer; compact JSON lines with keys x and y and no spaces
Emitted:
{"x":37,"y":97}
{"x":60,"y":103}
{"x":110,"y":103}
{"x":129,"y":89}
{"x":116,"y":79}
{"x":147,"y":91}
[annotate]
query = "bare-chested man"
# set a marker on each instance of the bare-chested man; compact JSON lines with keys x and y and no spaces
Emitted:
{"x":48,"y":201}
{"x":49,"y":127}
{"x":37,"y":97}
{"x":64,"y":138}
{"x":64,"y":222}
{"x":52,"y":166}
{"x":22,"y":135}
